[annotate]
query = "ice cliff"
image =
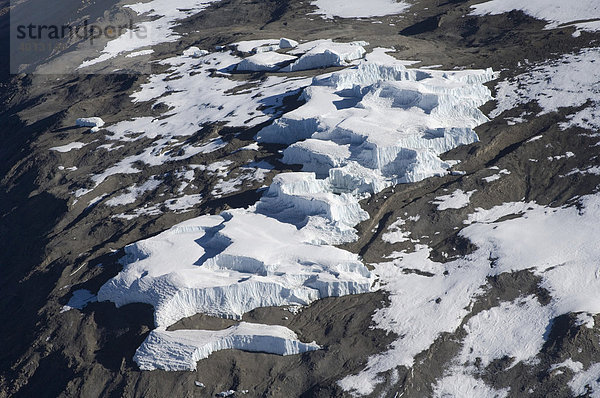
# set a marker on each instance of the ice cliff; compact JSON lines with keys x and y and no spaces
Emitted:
{"x":181,"y":349}
{"x":326,"y":53}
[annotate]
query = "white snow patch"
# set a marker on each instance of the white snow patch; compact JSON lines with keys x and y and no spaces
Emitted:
{"x":587,"y":382}
{"x":396,"y":233}
{"x":359,"y":8}
{"x":500,"y":332}
{"x":456,"y":200}
{"x":495,"y":213}
{"x":567,"y":155}
{"x":133,"y":193}
{"x":183,"y":203}
{"x":253,"y":172}
{"x":497,"y":176}
{"x":250,"y":147}
{"x":574,"y":366}
{"x":140,"y":53}
{"x":96,"y":200}
{"x":594,"y":170}
{"x":220,"y":168}
{"x":195,"y":52}
{"x":492,"y":178}
{"x":79,"y":300}
{"x":180,"y":204}
{"x":68,"y":147}
{"x":585,"y":319}
{"x":464,"y":385}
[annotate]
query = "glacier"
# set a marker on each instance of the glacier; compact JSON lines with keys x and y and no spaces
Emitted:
{"x":372,"y":125}
{"x":181,"y":349}
{"x":582,"y":15}
{"x":264,"y":61}
{"x":379,"y":123}
{"x":326,"y":53}
{"x":230,"y":264}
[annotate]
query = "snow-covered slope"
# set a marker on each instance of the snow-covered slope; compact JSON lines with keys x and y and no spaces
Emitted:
{"x":583,"y":14}
{"x":445,"y":292}
{"x":181,"y":349}
{"x":570,"y":81}
{"x":149,"y":33}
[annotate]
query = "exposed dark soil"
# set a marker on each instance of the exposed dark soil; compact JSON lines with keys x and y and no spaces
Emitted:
{"x":45,"y":237}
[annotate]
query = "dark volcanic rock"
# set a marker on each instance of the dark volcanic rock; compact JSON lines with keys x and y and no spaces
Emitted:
{"x":51,"y":245}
